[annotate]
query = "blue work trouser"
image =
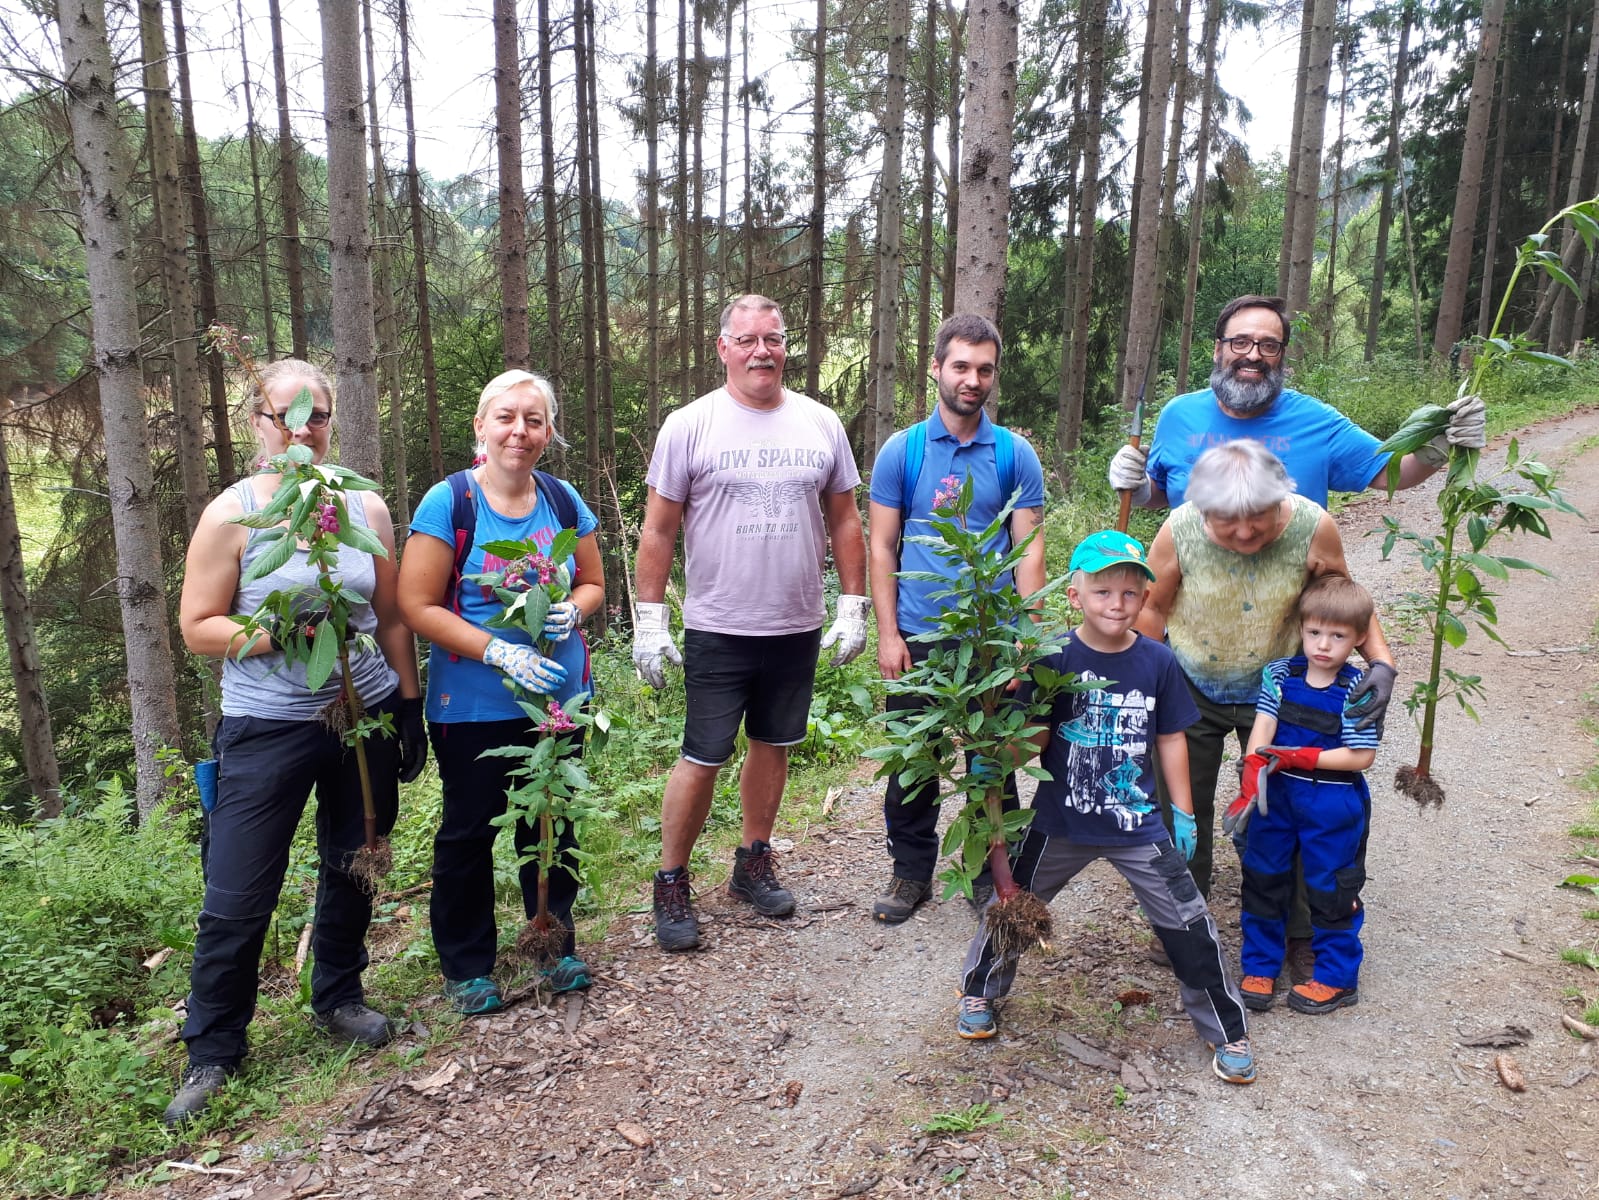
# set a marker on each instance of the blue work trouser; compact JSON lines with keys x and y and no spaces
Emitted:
{"x":911,"y":819}
{"x":266,"y":770}
{"x":1327,"y":824}
{"x":462,"y":906}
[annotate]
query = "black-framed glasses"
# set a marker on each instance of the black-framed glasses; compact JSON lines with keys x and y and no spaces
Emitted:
{"x":1243,"y":344}
{"x":315,"y":419}
{"x":748,"y":341}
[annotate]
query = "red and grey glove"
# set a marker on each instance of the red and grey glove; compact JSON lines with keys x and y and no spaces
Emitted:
{"x":1298,"y":758}
{"x":1251,"y":794}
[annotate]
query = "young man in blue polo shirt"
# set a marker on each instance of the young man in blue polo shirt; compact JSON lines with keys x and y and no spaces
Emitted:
{"x":958,"y":441}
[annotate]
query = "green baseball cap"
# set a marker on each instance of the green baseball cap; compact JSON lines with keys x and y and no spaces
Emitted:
{"x":1109,"y":548}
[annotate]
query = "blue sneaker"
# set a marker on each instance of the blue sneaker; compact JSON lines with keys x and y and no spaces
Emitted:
{"x":474,"y":997}
{"x":1235,"y":1062}
{"x":975,"y":1019}
{"x":571,"y":974}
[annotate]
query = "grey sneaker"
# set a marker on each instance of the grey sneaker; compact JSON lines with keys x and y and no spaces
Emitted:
{"x":355,"y":1023}
{"x":755,"y":882}
{"x":974,"y":1020}
{"x":676,"y":927}
{"x":200,"y":1082}
{"x":1235,"y":1062}
{"x":896,"y":904}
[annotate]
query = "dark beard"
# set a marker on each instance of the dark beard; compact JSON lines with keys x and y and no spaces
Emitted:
{"x":1246,"y":399}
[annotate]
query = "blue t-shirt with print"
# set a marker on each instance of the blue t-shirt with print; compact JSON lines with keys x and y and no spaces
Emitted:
{"x":463,"y":689}
{"x":1322,"y":449}
{"x":1102,"y":741}
{"x":946,"y":456}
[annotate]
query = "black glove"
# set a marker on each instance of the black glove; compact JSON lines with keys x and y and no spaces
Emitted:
{"x":413,"y":738}
{"x":1368,"y":699}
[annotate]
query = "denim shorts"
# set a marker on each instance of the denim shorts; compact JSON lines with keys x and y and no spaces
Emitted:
{"x":765,"y":682}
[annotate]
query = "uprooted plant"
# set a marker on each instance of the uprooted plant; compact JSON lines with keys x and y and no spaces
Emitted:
{"x":309,"y":510}
{"x":551,"y":791}
{"x":986,"y":641}
{"x":1481,"y":509}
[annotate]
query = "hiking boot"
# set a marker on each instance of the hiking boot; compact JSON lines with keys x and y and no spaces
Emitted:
{"x":474,"y":997}
{"x":755,"y":882}
{"x":676,"y":927}
{"x":1235,"y":1062}
{"x":895,"y":905}
{"x":1155,"y":952}
{"x":356,"y":1024}
{"x":200,"y":1082}
{"x":1301,"y":961}
{"x":974,"y":1019}
{"x":571,"y":974}
{"x":1318,"y":998}
{"x":1259,"y":992}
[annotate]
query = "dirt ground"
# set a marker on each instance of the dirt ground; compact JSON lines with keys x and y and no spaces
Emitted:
{"x":806,"y":1057}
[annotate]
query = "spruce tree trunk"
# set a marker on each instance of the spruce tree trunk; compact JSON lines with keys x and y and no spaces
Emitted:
{"x":890,"y":228}
{"x":350,"y":238}
{"x":1490,"y":248}
{"x":987,"y":125}
{"x":1391,"y":165}
{"x":722,"y":241}
{"x":587,"y":284}
{"x":263,"y":264}
{"x":952,"y":152}
{"x":1196,"y":204}
{"x":288,"y":191}
{"x":424,"y":320}
{"x":1307,"y":174}
{"x":924,"y":273}
{"x":1143,"y":307}
{"x":685,"y":353}
{"x":814,"y":347}
{"x":652,"y":223}
{"x":1307,"y":24}
{"x":1329,"y":300}
{"x":188,"y":405}
{"x":518,"y":351}
{"x":106,"y":204}
{"x":552,"y":215}
{"x":604,"y":496}
{"x":1181,"y":77}
{"x":1559,"y":329}
{"x":1463,"y":224}
{"x":697,"y":83}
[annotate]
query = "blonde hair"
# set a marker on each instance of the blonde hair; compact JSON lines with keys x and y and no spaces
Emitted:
{"x":505,"y":382}
{"x":278,"y":371}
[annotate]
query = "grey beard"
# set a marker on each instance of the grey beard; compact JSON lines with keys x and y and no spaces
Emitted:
{"x":1246,"y":398}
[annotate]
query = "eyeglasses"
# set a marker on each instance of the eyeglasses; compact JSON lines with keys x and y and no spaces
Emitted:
{"x":748,"y":341}
{"x":1243,"y":344}
{"x":315,"y":419}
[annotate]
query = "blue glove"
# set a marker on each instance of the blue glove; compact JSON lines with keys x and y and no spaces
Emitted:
{"x":1184,"y":832}
{"x":983,"y":771}
{"x":525,"y":667}
{"x":561,"y":619}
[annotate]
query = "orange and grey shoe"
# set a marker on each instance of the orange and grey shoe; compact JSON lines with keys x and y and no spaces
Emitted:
{"x":975,"y":1019}
{"x":1259,"y":992}
{"x":1316,"y":997}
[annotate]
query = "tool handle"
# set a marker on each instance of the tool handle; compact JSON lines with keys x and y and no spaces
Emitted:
{"x":1127,"y":496}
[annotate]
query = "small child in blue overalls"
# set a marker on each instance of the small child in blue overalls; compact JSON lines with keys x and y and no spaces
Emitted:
{"x":1307,"y":756}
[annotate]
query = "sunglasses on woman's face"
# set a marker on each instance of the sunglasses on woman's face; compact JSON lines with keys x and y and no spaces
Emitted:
{"x":315,"y":419}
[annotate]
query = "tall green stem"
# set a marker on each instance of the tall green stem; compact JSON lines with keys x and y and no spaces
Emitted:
{"x":1429,"y":719}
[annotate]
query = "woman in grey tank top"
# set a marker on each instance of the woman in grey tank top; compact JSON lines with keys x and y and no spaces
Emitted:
{"x":272,"y":748}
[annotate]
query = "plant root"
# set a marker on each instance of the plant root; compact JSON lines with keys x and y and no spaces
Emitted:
{"x":1017,"y":924}
{"x":335,"y":715}
{"x":371,"y":863}
{"x":541,"y":944}
{"x":1423,"y":789}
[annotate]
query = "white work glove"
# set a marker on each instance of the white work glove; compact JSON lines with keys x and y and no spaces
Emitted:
{"x":1468,"y":429}
{"x":652,"y":642}
{"x":561,"y":620}
{"x":525,"y":666}
{"x":849,"y":629}
{"x":1127,"y":472}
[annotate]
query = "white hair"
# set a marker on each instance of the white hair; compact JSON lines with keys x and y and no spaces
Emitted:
{"x":1238,"y":479}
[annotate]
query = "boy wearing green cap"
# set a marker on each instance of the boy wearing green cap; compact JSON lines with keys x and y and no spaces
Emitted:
{"x":1100,"y":801}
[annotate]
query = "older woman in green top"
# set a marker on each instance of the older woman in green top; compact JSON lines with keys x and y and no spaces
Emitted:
{"x":1229,"y":566}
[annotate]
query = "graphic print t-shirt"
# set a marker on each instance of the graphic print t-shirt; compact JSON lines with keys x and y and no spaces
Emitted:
{"x":751,"y":482}
{"x":1102,"y":741}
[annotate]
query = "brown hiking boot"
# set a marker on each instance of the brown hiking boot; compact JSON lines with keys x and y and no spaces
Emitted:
{"x":1259,"y":993}
{"x":900,"y":899}
{"x":1301,"y":961}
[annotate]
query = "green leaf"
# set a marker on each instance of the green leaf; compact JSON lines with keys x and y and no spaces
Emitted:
{"x":1587,"y":228}
{"x":1580,"y":881}
{"x":269,"y":560}
{"x":359,"y":537}
{"x":1454,"y":632}
{"x":1551,"y":266}
{"x":510,"y":551}
{"x":299,"y":409}
{"x":324,"y":654}
{"x":564,"y":545}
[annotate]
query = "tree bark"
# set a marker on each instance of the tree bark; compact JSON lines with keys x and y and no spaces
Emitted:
{"x":652,"y":222}
{"x":722,"y":280}
{"x":890,"y":226}
{"x":952,"y":152}
{"x":1463,"y":224}
{"x":552,"y":214}
{"x":602,"y":300}
{"x":517,"y":343}
{"x":986,"y":133}
{"x":106,"y":204}
{"x":1385,"y":212}
{"x":685,"y":354}
{"x":1196,"y":204}
{"x":350,"y":251}
{"x":587,"y":284}
{"x":1329,"y":301}
{"x":1559,"y":328}
{"x":698,"y":82}
{"x":1144,"y":304}
{"x":924,"y":273}
{"x":33,"y":711}
{"x":1307,"y":24}
{"x":1490,"y":248}
{"x":205,"y":266}
{"x":1140,"y":170}
{"x":263,"y":264}
{"x":419,"y":267}
{"x":1307,"y":176}
{"x":1555,"y":146}
{"x":188,"y":406}
{"x":815,"y":349}
{"x":288,"y":191}
{"x":1181,"y":75}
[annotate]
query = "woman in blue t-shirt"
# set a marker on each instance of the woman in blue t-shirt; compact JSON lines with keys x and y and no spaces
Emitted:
{"x":470,"y":709}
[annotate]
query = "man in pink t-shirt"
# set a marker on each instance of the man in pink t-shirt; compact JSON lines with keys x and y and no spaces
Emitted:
{"x":759,"y":479}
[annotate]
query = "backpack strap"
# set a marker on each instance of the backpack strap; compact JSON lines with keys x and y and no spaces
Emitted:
{"x":558,"y":497}
{"x":1005,"y":461}
{"x":911,"y":470}
{"x":463,"y":519}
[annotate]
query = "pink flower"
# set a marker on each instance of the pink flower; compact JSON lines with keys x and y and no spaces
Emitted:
{"x":557,"y":721}
{"x":949,"y":492}
{"x":327,"y":520}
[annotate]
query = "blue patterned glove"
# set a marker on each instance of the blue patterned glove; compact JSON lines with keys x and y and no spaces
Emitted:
{"x":1184,"y":832}
{"x":561,"y":619}
{"x":525,"y":667}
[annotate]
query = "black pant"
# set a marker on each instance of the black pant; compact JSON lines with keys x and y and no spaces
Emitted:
{"x":462,"y":908}
{"x":266,"y":772}
{"x":912,"y":820}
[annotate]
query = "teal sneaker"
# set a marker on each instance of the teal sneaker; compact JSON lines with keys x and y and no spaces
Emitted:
{"x":474,"y":997}
{"x":1235,"y":1062}
{"x":571,"y":974}
{"x":975,"y":1019}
